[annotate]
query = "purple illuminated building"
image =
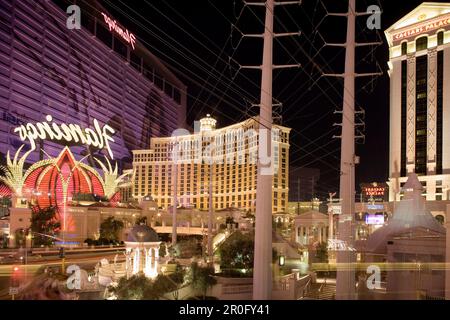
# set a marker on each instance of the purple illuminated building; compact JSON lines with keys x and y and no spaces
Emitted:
{"x":78,"y":75}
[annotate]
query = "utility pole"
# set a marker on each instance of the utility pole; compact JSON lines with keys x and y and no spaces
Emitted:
{"x":262,"y":273}
{"x":210,"y":212}
{"x":330,"y":217}
{"x":345,"y":280}
{"x":312,"y":193}
{"x":175,"y":191}
{"x":298,"y":196}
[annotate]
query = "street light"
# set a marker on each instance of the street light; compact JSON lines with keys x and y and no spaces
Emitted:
{"x":15,"y":282}
{"x":281,"y":260}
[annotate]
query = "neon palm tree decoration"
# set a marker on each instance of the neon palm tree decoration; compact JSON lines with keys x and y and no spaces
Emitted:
{"x":111,"y":179}
{"x":14,"y":175}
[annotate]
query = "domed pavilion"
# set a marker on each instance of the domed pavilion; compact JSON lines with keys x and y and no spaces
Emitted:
{"x":142,"y":251}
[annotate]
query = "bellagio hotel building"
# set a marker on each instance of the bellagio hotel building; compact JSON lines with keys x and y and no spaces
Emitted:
{"x":234,"y":169}
{"x":419,"y":70}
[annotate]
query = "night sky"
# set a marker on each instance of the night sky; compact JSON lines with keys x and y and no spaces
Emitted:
{"x":197,"y":41}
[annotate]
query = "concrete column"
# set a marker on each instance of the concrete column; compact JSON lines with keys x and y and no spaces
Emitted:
{"x":446,"y":112}
{"x":262,"y":273}
{"x":447,"y":255}
{"x":136,"y":261}
{"x":411,"y":115}
{"x":155,"y":266}
{"x":431,"y":118}
{"x":148,"y":261}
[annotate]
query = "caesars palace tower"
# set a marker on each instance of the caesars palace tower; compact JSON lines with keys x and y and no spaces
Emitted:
{"x":419,"y":70}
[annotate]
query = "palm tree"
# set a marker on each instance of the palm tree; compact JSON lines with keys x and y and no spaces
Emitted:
{"x":44,"y":225}
{"x":201,"y":278}
{"x":110,"y":228}
{"x":137,"y":287}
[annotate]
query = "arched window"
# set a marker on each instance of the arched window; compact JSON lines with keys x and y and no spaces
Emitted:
{"x":404,"y":48}
{"x":421,"y":43}
{"x":440,"y":38}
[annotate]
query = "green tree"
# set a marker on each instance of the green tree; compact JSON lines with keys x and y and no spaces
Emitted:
{"x":137,"y":287}
{"x":171,"y":282}
{"x":236,"y":252}
{"x":162,"y":250}
{"x":189,"y":248}
{"x":19,"y":236}
{"x":322,"y":252}
{"x":110,"y":228}
{"x":141,"y":220}
{"x":201,"y":278}
{"x":44,"y":225}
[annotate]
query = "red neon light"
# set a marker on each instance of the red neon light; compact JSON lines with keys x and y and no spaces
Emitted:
{"x":374,"y":191}
{"x":47,"y":182}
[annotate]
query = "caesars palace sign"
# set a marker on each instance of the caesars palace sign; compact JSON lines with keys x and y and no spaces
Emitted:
{"x":424,"y":27}
{"x":99,"y":137}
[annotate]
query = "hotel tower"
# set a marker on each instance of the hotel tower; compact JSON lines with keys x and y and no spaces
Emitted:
{"x":234,"y":169}
{"x":419,"y":70}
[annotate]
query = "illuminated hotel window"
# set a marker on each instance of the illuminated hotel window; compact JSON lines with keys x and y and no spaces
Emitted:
{"x":421,"y":113}
{"x":439,"y":110}
{"x":421,"y":43}
{"x":440,"y":38}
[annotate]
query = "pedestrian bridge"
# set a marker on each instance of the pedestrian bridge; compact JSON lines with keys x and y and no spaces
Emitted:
{"x":183,"y":230}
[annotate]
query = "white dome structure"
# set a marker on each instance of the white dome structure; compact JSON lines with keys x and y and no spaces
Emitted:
{"x":410,"y":213}
{"x":207,"y":123}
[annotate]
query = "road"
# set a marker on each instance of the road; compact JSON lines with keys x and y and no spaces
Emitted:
{"x":85,"y":260}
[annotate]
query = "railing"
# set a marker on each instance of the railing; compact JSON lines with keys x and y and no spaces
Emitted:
{"x":237,"y":289}
{"x":425,"y":296}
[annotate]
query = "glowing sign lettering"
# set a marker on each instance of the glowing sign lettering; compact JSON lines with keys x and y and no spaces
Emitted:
{"x":124,"y":34}
{"x":98,"y":138}
{"x":374,"y":191}
{"x":375,"y":219}
{"x":429,"y":26}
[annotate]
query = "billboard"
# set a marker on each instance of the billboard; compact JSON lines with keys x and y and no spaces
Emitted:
{"x":375,"y":219}
{"x":374,"y":192}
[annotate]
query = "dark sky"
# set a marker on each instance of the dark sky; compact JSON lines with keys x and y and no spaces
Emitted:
{"x":198,"y":42}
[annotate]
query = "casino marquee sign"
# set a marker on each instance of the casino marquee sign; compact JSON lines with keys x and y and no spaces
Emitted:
{"x":99,"y":137}
{"x":428,"y":26}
